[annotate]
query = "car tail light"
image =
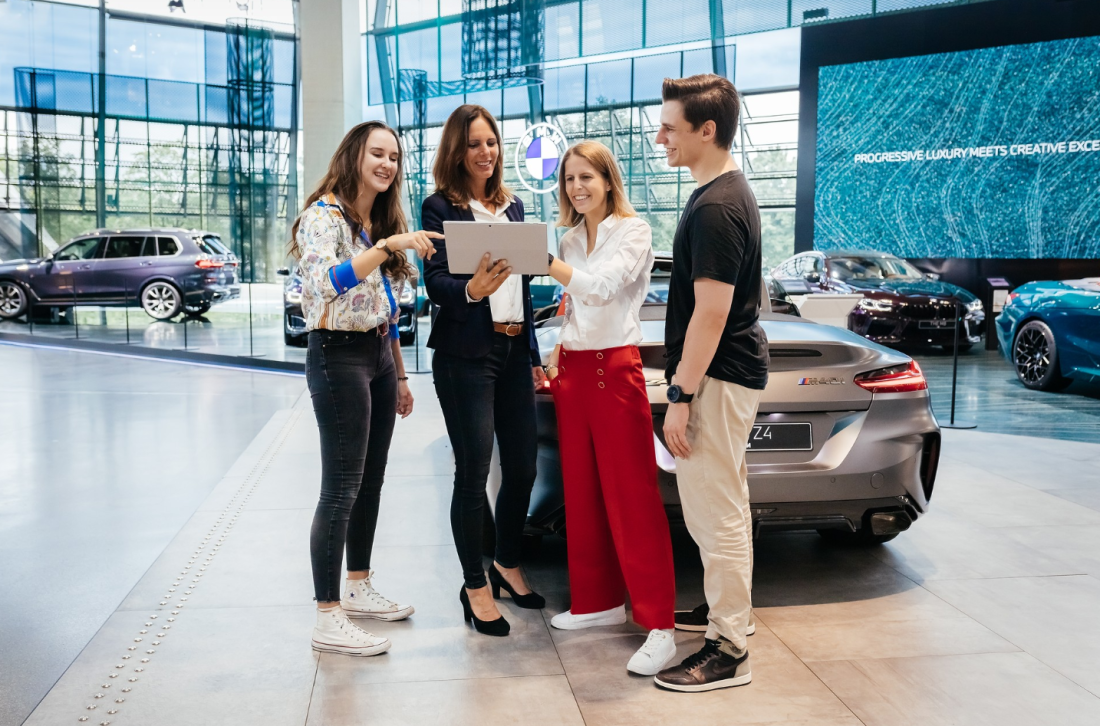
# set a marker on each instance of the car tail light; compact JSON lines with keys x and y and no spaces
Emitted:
{"x":895,"y":379}
{"x":204,"y":264}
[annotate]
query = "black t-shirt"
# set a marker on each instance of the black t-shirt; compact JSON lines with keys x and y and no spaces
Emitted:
{"x":718,"y":238}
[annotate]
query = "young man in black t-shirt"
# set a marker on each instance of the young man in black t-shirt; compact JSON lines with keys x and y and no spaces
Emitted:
{"x":718,"y":366}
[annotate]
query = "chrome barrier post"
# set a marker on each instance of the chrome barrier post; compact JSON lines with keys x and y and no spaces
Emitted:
{"x":126,"y":309}
{"x":953,"y":424}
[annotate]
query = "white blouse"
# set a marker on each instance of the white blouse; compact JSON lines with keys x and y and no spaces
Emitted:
{"x":507,"y":302}
{"x":609,"y":286}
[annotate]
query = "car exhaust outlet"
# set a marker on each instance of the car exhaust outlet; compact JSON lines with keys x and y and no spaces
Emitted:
{"x":890,"y":522}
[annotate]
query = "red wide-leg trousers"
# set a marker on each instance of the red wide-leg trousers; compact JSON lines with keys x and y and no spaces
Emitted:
{"x":618,"y":532}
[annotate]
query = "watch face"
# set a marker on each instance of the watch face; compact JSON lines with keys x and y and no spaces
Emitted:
{"x":673,"y":394}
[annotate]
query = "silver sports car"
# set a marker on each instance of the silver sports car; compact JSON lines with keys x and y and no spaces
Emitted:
{"x":845,"y":442}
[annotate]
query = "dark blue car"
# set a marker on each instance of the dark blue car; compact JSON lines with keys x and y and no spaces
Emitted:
{"x":1050,"y":331}
{"x":166,"y":271}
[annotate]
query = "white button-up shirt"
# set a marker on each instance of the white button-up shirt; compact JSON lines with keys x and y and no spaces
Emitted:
{"x":507,"y":302}
{"x":609,"y":286}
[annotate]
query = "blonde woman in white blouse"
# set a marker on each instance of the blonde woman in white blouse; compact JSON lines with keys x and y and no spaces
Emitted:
{"x":618,"y":532}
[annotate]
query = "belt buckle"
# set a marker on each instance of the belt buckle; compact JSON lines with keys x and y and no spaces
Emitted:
{"x":513,"y":329}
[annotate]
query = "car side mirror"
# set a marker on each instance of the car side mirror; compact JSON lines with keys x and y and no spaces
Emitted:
{"x":812,"y":277}
{"x":932,"y":275}
{"x":284,"y":271}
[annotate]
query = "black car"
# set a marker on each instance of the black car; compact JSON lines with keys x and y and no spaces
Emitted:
{"x":900,"y":303}
{"x":294,"y":325}
{"x":166,"y":271}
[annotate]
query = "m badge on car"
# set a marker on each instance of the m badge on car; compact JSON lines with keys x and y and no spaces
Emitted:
{"x":830,"y":381}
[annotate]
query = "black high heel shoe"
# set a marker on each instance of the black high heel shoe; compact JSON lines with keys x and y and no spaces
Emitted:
{"x":530,"y":601}
{"x":498,"y":627}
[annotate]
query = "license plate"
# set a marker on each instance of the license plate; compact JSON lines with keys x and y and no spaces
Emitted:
{"x":781,"y":437}
{"x":939,"y":324}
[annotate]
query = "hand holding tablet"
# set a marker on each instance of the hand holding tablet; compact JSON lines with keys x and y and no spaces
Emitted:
{"x":490,"y":275}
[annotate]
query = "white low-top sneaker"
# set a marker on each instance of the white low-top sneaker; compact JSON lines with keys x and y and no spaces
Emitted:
{"x":336,"y":634}
{"x":657,"y":652}
{"x":361,"y":600}
{"x":569,"y":621}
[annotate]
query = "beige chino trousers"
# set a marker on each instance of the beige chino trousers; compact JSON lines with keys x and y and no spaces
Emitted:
{"x":714,"y":492}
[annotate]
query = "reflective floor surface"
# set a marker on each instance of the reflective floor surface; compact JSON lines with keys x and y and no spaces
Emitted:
{"x":102,"y":460}
{"x":983,"y":613}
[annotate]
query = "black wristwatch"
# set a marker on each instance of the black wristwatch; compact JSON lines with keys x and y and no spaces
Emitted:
{"x":675,"y":394}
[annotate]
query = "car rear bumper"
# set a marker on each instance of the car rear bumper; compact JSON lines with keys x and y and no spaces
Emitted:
{"x":214,"y":294}
{"x":882,"y":459}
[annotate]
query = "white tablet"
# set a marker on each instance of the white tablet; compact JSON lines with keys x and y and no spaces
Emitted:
{"x":523,"y":244}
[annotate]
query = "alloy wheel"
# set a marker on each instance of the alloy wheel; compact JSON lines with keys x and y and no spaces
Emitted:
{"x":160,"y":300}
{"x":1031,"y":355}
{"x":12,"y":299}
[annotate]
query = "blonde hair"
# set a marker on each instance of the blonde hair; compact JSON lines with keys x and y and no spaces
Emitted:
{"x":603,"y":160}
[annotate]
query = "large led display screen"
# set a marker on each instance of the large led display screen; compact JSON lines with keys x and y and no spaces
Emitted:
{"x":989,"y":153}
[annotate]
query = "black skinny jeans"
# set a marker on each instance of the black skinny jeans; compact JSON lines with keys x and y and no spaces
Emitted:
{"x":479,"y":397}
{"x":353,"y":383}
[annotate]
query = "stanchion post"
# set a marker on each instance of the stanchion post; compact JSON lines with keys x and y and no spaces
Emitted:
{"x":126,"y":310}
{"x":76,"y":323}
{"x":953,"y":424}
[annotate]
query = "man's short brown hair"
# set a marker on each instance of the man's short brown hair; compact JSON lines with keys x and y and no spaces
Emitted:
{"x":707,"y":97}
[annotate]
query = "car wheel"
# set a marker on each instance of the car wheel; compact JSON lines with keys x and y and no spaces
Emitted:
{"x":161,"y":300}
{"x":197,"y":308}
{"x":1035,"y":356}
{"x":13,"y":300}
{"x":860,"y":538}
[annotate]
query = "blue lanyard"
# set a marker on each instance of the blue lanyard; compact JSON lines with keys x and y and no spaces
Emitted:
{"x":385,"y":280}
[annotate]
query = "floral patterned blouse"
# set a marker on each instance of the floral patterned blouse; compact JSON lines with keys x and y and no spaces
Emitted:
{"x":324,"y":241}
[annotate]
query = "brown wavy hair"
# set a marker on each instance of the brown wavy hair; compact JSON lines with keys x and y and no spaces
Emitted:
{"x":451,"y":178}
{"x":603,"y":160}
{"x":343,"y":179}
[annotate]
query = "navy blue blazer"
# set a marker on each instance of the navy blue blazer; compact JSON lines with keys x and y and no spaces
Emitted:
{"x":464,"y":329}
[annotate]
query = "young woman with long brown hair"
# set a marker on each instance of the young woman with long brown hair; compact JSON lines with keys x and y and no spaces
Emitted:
{"x":486,"y":364}
{"x":350,"y":242}
{"x":618,"y":532}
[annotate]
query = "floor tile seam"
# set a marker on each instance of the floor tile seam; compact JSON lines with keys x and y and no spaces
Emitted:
{"x":461,"y":680}
{"x":269,"y":453}
{"x":564,"y":670}
{"x":312,"y":688}
{"x":1024,"y":652}
{"x":921,"y":655}
{"x":806,"y":665}
{"x":1001,"y":577}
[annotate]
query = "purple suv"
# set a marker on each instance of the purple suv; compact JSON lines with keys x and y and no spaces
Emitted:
{"x":166,"y":271}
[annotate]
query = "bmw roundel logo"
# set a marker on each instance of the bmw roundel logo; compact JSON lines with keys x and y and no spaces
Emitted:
{"x":538,"y":156}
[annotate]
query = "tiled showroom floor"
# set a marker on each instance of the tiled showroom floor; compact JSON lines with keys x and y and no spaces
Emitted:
{"x":983,"y":613}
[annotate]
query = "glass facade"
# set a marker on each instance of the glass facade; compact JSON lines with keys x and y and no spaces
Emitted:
{"x":594,"y":69}
{"x":194,"y":126}
{"x":146,"y":115}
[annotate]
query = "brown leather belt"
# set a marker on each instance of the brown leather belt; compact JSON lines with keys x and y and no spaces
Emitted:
{"x":509,"y":329}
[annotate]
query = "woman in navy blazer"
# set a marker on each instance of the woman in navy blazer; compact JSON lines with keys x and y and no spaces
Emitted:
{"x":486,"y":365}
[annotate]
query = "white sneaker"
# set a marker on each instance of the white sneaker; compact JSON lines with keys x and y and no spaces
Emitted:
{"x":657,"y":652}
{"x":336,"y":634}
{"x":361,"y":600}
{"x":569,"y":621}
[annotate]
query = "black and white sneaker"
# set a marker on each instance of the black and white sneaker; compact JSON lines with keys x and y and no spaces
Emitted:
{"x":707,"y":670}
{"x":696,"y":621}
